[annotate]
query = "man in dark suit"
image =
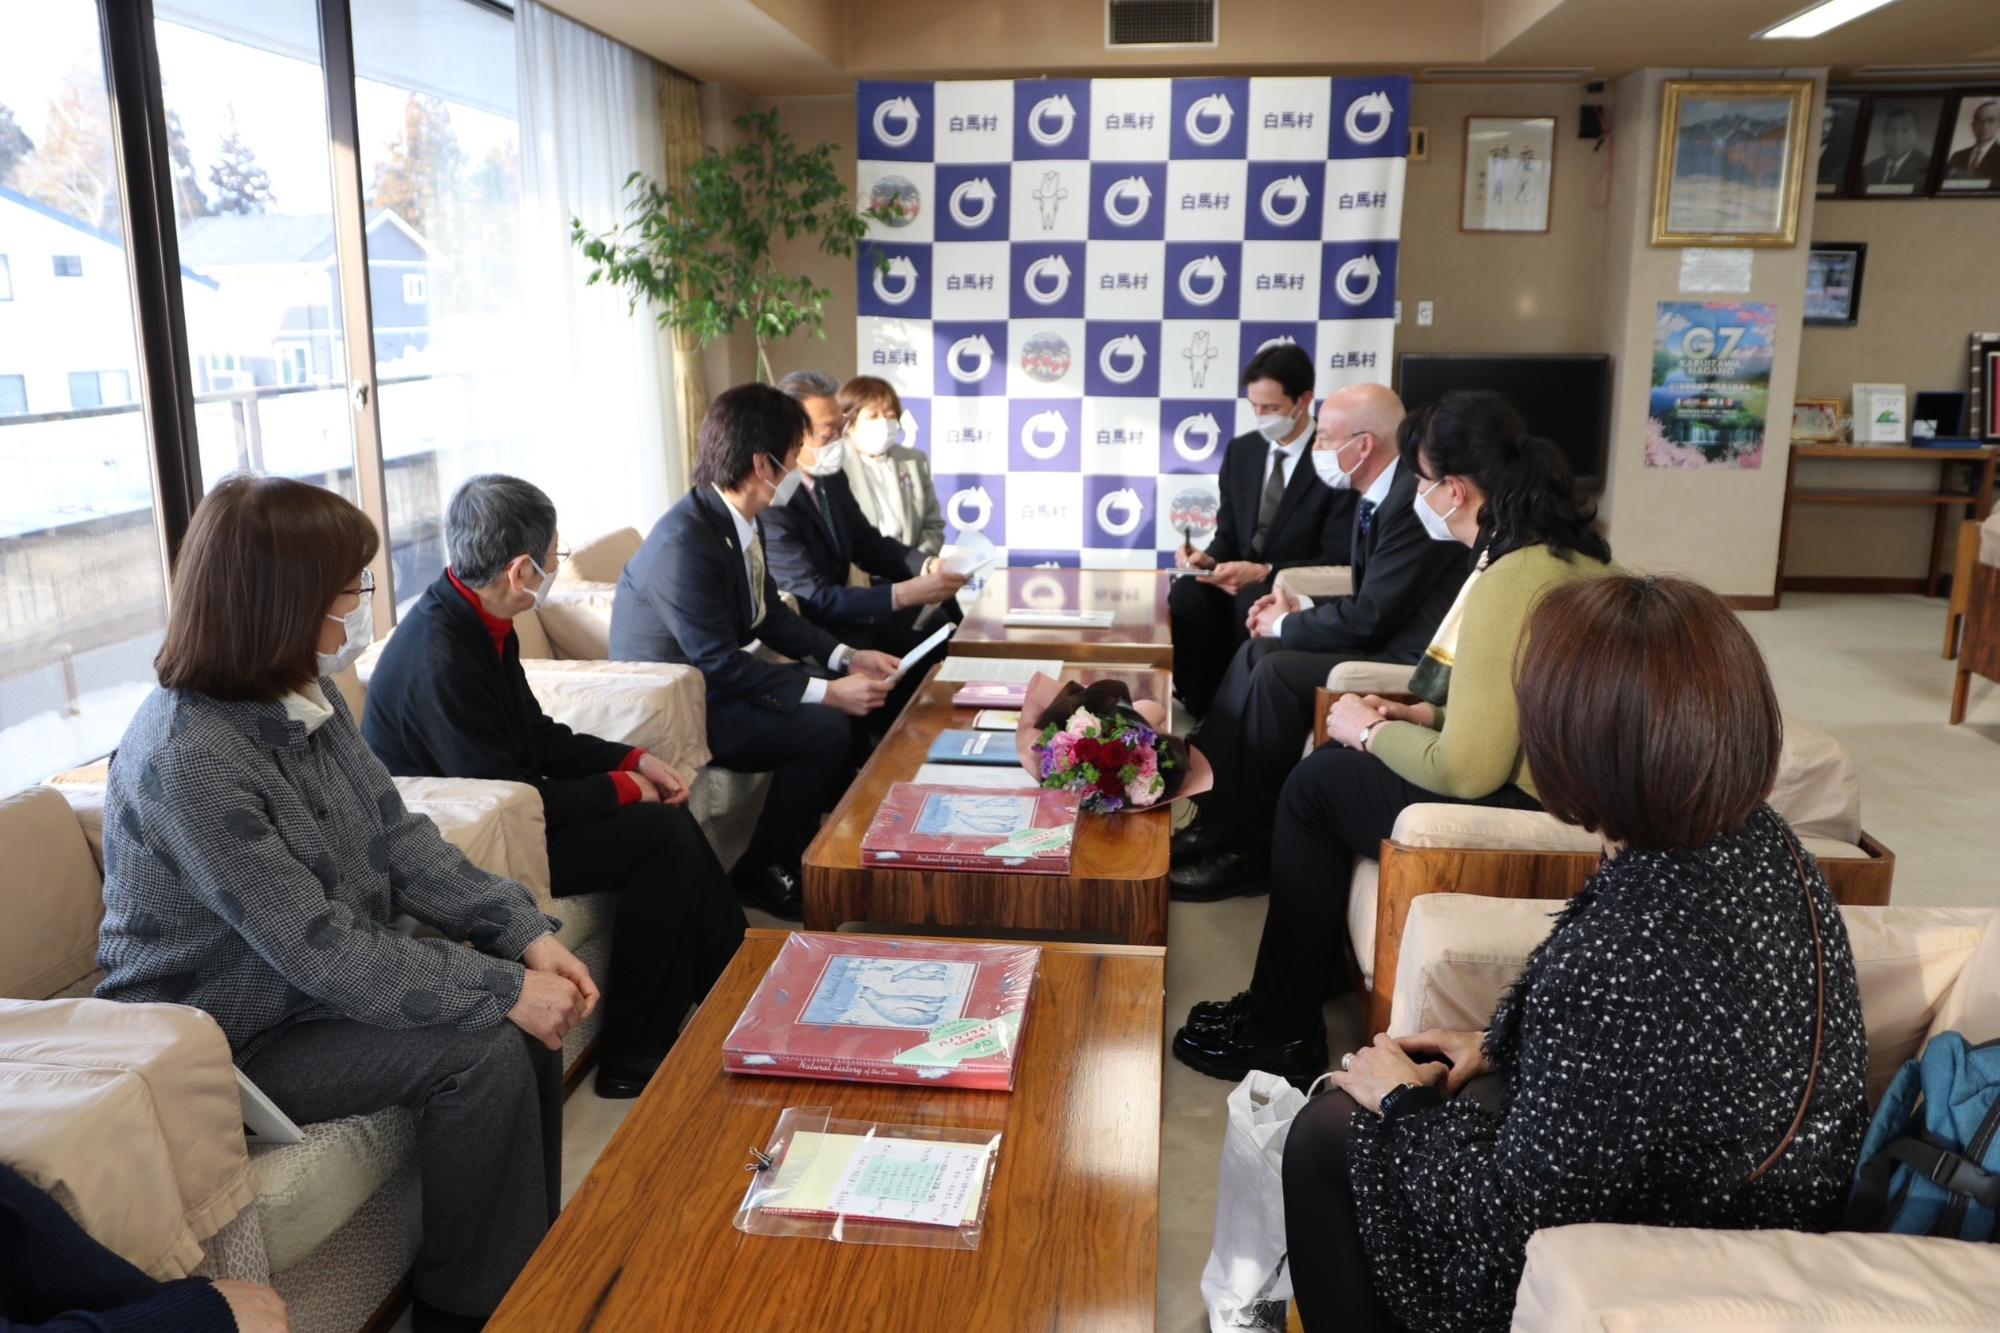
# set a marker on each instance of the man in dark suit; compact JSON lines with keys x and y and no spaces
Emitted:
{"x":700,"y":591}
{"x":1901,"y":162}
{"x":449,"y":700}
{"x":1979,"y":160}
{"x":1404,"y":583}
{"x":1275,"y":513}
{"x":821,"y":534}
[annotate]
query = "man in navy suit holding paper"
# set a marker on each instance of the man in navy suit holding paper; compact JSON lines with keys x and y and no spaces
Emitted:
{"x":1274,"y":513}
{"x":700,"y":592}
{"x":820,"y":535}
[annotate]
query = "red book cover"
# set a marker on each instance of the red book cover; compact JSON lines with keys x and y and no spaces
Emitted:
{"x":990,"y":694}
{"x":1012,"y":831}
{"x":862,"y":1009}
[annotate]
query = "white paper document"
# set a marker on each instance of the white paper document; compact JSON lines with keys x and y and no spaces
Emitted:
{"x":917,"y":654}
{"x":905,"y":1180}
{"x":1022,"y":617}
{"x":263,"y":1122}
{"x":974,"y":775}
{"x":970,"y":554}
{"x":1004,"y":669}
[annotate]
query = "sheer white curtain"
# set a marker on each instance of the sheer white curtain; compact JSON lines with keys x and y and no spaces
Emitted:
{"x":597,"y":377}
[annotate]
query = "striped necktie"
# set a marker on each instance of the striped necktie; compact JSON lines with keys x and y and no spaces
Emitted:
{"x":757,"y":578}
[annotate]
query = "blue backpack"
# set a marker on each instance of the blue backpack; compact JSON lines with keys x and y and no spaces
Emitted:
{"x":1930,"y":1165}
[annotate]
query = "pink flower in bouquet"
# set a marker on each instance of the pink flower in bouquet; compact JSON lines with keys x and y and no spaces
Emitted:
{"x":1144,"y":789}
{"x":1081,"y":723}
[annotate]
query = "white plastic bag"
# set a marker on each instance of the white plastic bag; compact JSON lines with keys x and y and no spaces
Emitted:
{"x":1246,"y":1283}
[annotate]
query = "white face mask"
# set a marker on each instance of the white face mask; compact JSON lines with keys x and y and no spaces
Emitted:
{"x":360,"y":626}
{"x":1436,"y":524}
{"x":1277,"y":428}
{"x":541,"y":594}
{"x":1326,"y":462}
{"x":828,"y":460}
{"x":787,"y":487}
{"x":876,"y":436}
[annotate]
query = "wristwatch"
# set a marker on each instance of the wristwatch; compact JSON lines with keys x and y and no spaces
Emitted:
{"x":1361,"y":741}
{"x":1409,"y":1097}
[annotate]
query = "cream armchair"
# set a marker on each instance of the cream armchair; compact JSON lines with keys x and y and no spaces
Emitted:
{"x":1921,"y":970}
{"x":1530,"y":855}
{"x":1319,"y":582}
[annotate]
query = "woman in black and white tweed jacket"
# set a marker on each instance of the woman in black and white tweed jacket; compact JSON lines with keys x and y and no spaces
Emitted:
{"x":1684,"y":1049}
{"x":255,"y":854}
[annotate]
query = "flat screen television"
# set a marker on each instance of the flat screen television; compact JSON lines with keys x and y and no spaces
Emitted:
{"x":1565,"y":398}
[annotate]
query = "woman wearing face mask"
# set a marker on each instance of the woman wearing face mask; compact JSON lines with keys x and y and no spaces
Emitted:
{"x":891,"y":481}
{"x":255,"y":854}
{"x":1483,"y":482}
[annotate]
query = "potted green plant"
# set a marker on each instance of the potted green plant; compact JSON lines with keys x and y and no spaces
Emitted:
{"x":701,"y":254}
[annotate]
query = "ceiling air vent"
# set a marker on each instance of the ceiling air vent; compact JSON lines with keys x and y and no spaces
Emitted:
{"x":1159,"y":22}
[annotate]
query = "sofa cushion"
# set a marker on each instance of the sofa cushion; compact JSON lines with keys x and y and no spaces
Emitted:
{"x":1369,"y":678}
{"x":577,"y":618}
{"x":1461,"y":951}
{"x":1322,"y":583}
{"x":1600,"y":1276}
{"x":55,"y":896}
{"x":308,"y":1190}
{"x":534,"y":636}
{"x":585,"y":917}
{"x":498,"y":825}
{"x":657,"y":706}
{"x":601,"y":559}
{"x":1989,"y":539}
{"x":1817,"y":790}
{"x":1972,"y":1009}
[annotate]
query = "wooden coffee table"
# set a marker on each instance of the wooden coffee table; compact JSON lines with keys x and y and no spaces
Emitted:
{"x":1072,"y":1226}
{"x":1118,"y":881}
{"x":1137,"y":599}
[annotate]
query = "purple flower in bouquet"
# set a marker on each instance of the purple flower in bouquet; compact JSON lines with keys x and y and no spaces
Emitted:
{"x":1095,"y":743}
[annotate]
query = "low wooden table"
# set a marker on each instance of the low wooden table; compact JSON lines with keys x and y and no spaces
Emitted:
{"x":1118,"y":880}
{"x":1137,"y":599}
{"x":1072,"y":1227}
{"x":1975,"y":502}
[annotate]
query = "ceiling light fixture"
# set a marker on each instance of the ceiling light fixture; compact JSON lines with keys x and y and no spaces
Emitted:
{"x":1822,"y":17}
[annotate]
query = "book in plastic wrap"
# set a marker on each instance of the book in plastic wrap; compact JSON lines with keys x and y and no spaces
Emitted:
{"x":991,"y":694}
{"x":974,"y":747}
{"x":972,"y":828}
{"x":859,"y":1008}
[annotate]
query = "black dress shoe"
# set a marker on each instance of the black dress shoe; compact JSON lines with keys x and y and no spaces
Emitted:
{"x":1218,"y":1013}
{"x":773,"y":887}
{"x":618,"y":1080}
{"x":1232,"y":1051}
{"x":1197,"y":840}
{"x":1220,"y":874}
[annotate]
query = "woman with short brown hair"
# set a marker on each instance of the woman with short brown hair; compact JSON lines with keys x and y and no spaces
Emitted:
{"x":256,"y":854}
{"x":891,"y":481}
{"x":1684,"y":1049}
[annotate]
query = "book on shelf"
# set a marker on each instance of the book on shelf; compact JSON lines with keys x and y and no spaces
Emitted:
{"x":991,"y":694}
{"x":859,"y":1008}
{"x":972,"y":828}
{"x":974,"y":747}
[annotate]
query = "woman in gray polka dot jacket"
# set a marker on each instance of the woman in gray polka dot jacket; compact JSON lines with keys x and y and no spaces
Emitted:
{"x":255,"y":854}
{"x":1684,"y":1049}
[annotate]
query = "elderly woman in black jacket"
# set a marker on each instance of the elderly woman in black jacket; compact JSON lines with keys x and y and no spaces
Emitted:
{"x":256,"y":855}
{"x":1684,"y":1049}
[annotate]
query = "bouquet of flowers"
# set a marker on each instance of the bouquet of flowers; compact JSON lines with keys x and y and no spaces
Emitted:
{"x":1093,"y":740}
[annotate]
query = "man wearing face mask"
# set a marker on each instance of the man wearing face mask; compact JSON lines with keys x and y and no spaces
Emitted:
{"x":891,"y":480}
{"x":449,"y":699}
{"x":700,"y":591}
{"x":1403,"y":583}
{"x":818,"y":539}
{"x":1274,"y":513}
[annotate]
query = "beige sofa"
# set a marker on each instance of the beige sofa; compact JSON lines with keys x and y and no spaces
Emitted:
{"x":334,"y":1224}
{"x":1922,"y":971}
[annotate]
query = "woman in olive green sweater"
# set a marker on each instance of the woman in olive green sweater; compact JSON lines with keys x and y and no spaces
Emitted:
{"x":1485,"y":482}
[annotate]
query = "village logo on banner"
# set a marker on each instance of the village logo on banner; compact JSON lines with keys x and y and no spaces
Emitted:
{"x":1073,"y":272}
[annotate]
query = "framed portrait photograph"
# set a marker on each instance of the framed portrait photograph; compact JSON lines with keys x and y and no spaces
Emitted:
{"x":1510,"y":164}
{"x":1901,"y":141}
{"x":1816,"y":421}
{"x":1839,"y":130}
{"x":1985,"y":396}
{"x":1972,"y":145}
{"x":1833,"y":282}
{"x":1732,"y":161}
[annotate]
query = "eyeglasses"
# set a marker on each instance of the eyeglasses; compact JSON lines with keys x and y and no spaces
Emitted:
{"x":1322,"y":440}
{"x":362,"y":586}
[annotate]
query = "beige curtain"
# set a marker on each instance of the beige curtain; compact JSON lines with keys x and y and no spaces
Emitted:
{"x":680,"y":122}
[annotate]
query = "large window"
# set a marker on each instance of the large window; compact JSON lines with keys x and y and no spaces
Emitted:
{"x":82,"y":602}
{"x":253,"y":197}
{"x":441,"y":169}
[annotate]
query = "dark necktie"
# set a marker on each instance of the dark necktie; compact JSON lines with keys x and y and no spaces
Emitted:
{"x":1267,"y":509}
{"x":1364,"y":519}
{"x":826,"y":513}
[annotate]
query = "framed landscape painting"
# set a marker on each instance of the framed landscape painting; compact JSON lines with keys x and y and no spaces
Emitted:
{"x":1732,"y":162}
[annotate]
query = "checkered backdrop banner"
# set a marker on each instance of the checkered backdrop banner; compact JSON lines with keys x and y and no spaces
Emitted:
{"x":1079,"y":268}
